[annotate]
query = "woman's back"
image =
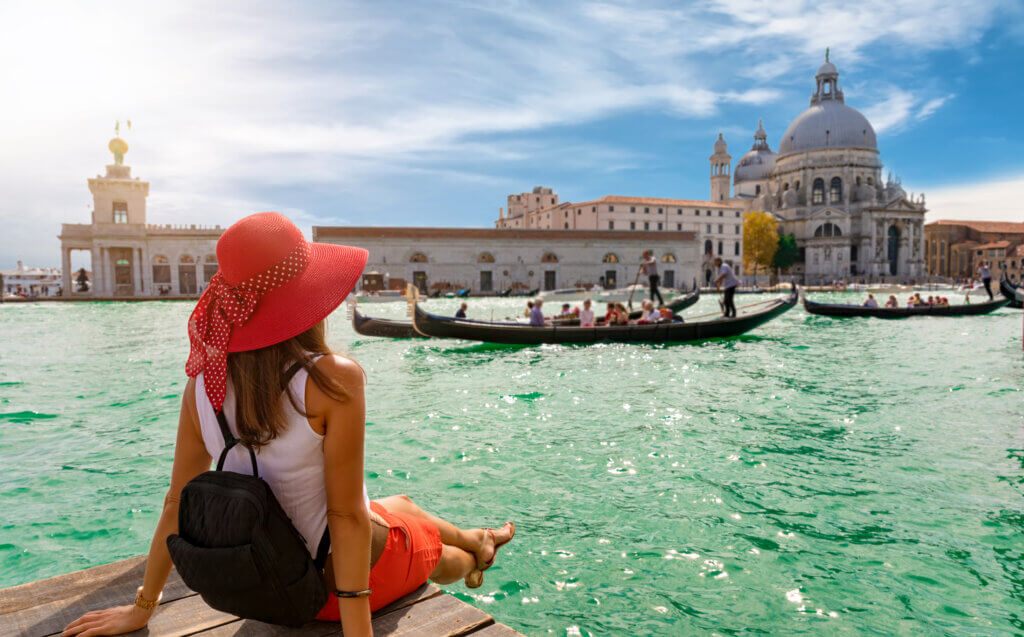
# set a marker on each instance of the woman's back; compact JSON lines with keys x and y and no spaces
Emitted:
{"x":292,"y":463}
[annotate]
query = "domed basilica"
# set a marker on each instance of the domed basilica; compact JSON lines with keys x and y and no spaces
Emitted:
{"x":825,"y":187}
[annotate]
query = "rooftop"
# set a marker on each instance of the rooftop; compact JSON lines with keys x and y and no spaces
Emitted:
{"x":983,"y":226}
{"x":321,"y":233}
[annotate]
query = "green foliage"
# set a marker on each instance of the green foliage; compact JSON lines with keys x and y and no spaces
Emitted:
{"x":787,"y":252}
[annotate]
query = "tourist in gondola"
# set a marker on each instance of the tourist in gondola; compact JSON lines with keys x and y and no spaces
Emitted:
{"x":260,"y":372}
{"x":727,"y":281}
{"x":536,"y":314}
{"x":649,"y":266}
{"x":892,"y":302}
{"x":586,"y":315}
{"x":529,"y":309}
{"x":566,"y":311}
{"x":621,"y":314}
{"x":667,"y":315}
{"x":609,"y":315}
{"x":871,"y":302}
{"x":462,"y":311}
{"x":986,"y":278}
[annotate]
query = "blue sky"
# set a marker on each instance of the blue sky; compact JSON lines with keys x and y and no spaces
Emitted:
{"x":399,"y":113}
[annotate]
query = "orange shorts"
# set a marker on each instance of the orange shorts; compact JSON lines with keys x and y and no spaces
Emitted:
{"x":411,"y":554}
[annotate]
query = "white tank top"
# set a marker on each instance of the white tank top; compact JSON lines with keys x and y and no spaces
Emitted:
{"x":292,"y":464}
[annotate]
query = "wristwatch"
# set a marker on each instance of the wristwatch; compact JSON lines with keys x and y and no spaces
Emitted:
{"x":147,"y":604}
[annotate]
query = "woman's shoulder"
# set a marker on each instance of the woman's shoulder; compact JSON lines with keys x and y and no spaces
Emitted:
{"x":342,"y":369}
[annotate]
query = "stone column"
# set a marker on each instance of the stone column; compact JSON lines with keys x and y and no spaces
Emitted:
{"x":147,"y":271}
{"x":65,"y":271}
{"x":175,"y":282}
{"x":108,"y":270}
{"x":136,"y":271}
{"x":872,"y":256}
{"x":97,"y":269}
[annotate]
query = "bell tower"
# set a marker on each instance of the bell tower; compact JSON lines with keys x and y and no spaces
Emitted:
{"x":116,"y":197}
{"x":721,"y":163}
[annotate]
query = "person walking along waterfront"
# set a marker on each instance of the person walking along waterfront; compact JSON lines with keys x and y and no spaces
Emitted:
{"x":260,"y":371}
{"x":727,"y":281}
{"x":649,"y":266}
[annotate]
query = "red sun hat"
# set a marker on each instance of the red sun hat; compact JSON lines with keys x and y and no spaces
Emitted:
{"x":272,"y":285}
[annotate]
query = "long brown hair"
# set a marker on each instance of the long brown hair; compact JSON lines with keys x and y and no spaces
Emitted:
{"x":260,"y":376}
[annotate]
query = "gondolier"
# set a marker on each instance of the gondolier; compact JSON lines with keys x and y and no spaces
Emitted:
{"x":727,"y":281}
{"x":649,"y":266}
{"x":986,"y":278}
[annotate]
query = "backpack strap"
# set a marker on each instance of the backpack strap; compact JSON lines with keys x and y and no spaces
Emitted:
{"x":229,"y":442}
{"x":322,"y":550}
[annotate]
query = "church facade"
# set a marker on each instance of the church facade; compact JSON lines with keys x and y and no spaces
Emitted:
{"x":825,"y":187}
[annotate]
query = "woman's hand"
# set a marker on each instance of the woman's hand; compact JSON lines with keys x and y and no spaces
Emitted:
{"x":110,"y":621}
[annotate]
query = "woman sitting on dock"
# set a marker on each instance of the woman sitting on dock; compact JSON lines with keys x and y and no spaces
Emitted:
{"x":260,"y":363}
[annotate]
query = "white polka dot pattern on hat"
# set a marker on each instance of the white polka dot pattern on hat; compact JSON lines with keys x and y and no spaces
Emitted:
{"x":220,"y":307}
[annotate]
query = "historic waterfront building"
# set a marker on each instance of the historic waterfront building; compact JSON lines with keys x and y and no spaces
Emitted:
{"x":130,"y":257}
{"x":493,"y":260}
{"x":825,"y":187}
{"x":955,"y":249}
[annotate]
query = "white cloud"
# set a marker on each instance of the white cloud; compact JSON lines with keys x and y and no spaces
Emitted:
{"x":994,"y":200}
{"x":899,"y":108}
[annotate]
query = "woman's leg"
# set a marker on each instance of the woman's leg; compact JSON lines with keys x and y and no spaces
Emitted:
{"x":455,"y":564}
{"x":476,"y":541}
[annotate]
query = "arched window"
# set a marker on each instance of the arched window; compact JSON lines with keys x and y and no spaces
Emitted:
{"x":835,"y":190}
{"x":418,"y":257}
{"x":187,"y":275}
{"x":161,"y":269}
{"x":611,"y":257}
{"x":549,"y":257}
{"x":485,"y":257}
{"x":209,"y":267}
{"x":668,"y":257}
{"x":828,"y":229}
{"x":785,"y":186}
{"x":707,"y":247}
{"x":818,"y":191}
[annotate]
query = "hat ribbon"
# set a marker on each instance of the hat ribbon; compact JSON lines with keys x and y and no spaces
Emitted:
{"x":224,"y":306}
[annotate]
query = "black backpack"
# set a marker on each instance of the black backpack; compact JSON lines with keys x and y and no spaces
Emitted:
{"x":238,"y":549}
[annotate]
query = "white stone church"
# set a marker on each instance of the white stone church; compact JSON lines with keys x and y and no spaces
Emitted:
{"x":825,"y":187}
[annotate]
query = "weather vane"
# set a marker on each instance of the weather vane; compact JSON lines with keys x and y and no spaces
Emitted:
{"x":826,"y":59}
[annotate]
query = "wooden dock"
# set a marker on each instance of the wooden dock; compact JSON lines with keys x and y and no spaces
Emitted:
{"x":45,"y":607}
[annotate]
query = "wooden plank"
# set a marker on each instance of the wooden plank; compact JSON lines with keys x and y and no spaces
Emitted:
{"x":443,"y":616}
{"x":77,"y":583}
{"x":252,"y":628}
{"x":60,"y":601}
{"x":496,"y":630}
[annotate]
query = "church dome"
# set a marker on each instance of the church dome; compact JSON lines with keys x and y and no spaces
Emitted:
{"x":759,"y":161}
{"x":829,"y":122}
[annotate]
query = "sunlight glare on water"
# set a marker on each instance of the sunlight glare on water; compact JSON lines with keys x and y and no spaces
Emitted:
{"x":815,"y":475}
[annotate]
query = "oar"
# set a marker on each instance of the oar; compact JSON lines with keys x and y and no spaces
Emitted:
{"x":633,"y":289}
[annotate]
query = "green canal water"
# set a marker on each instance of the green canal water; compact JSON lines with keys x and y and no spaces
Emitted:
{"x":815,"y":476}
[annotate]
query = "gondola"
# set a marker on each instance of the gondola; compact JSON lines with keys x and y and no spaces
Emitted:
{"x":843,"y":310}
{"x":388,"y":328}
{"x":518,"y":334}
{"x":1013,"y":292}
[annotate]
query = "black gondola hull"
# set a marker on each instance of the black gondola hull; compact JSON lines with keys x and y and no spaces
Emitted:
{"x":1013,"y":292}
{"x":387,"y":328}
{"x":518,"y":334}
{"x":838,"y":310}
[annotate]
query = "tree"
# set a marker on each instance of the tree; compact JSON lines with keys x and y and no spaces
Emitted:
{"x":760,"y":241}
{"x":786,"y":254}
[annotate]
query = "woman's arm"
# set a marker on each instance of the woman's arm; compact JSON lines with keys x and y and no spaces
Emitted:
{"x":190,"y":459}
{"x":347,"y":516}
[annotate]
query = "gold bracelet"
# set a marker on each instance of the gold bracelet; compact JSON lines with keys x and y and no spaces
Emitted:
{"x":147,"y":604}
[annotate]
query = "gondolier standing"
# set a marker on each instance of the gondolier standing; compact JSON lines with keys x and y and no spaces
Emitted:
{"x":649,"y":266}
{"x":727,"y":280}
{"x":986,"y":278}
